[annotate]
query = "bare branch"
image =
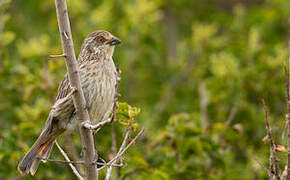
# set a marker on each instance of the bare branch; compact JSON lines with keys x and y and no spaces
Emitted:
{"x":270,"y":174}
{"x":109,"y":170}
{"x":78,"y":97}
{"x":273,"y":161}
{"x":121,"y":152}
{"x":70,"y":164}
{"x":114,"y":150}
{"x":80,"y":162}
{"x":71,"y":149}
{"x":232,"y":115}
{"x":203,"y":104}
{"x":228,"y":123}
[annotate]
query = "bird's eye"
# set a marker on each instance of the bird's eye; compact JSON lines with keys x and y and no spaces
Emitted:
{"x":100,"y":39}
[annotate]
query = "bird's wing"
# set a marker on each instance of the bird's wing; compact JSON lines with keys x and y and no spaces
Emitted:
{"x":63,"y":107}
{"x":64,"y":88}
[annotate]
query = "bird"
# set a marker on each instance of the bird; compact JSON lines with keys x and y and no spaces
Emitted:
{"x":98,"y":78}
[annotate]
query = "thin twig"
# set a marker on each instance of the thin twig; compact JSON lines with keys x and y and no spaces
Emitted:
{"x":114,"y":150}
{"x":70,"y":164}
{"x":232,"y":115}
{"x":228,"y":123}
{"x":273,"y":161}
{"x":71,"y":149}
{"x":80,"y":162}
{"x":203,"y":104}
{"x":109,"y":170}
{"x":120,"y":153}
{"x":270,"y":174}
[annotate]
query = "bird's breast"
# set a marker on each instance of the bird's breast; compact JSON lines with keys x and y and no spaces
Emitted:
{"x":98,"y":82}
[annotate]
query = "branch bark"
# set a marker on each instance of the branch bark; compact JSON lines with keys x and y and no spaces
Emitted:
{"x":78,"y":96}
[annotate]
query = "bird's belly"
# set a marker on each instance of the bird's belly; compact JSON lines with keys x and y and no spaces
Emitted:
{"x":100,"y":97}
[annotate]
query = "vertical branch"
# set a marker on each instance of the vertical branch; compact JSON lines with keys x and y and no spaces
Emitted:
{"x":171,"y":35}
{"x":114,"y":149}
{"x":288,"y":101}
{"x":78,"y":97}
{"x":273,"y":161}
{"x":203,"y":103}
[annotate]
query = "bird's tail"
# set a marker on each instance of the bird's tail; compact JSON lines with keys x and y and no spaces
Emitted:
{"x":41,"y":149}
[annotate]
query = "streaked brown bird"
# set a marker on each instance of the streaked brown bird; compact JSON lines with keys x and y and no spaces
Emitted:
{"x":98,"y":77}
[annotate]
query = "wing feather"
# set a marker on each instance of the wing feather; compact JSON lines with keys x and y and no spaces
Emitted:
{"x":64,"y":88}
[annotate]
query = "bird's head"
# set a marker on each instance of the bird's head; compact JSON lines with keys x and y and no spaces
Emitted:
{"x":99,"y":44}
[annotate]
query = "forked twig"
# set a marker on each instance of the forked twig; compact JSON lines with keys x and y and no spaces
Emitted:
{"x":75,"y":171}
{"x":109,"y":170}
{"x":121,"y":152}
{"x":270,"y":174}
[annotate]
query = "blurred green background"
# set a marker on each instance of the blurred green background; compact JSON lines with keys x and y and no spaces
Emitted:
{"x":197,"y":69}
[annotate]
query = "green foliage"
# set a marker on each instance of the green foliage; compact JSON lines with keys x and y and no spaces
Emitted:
{"x":126,"y":115}
{"x":236,"y":49}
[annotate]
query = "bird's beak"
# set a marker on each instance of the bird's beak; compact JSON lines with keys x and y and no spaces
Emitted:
{"x":114,"y":41}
